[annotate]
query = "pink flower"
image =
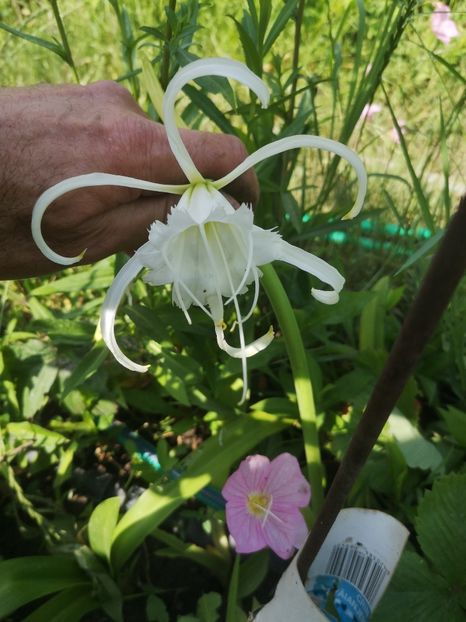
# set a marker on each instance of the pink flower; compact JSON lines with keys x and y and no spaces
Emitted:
{"x":443,"y":27}
{"x":263,"y":498}
{"x":394,"y":134}
{"x":369,"y":111}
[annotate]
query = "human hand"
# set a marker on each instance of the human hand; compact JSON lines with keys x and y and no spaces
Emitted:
{"x":49,"y":133}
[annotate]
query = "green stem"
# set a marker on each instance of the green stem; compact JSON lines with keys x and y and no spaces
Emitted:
{"x":165,"y":68}
{"x":64,"y":38}
{"x":297,"y":45}
{"x":302,"y":382}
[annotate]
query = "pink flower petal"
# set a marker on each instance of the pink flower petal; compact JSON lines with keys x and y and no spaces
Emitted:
{"x":246,"y":529}
{"x":370,"y":110}
{"x":286,"y":483}
{"x":285,"y":532}
{"x":443,"y":27}
{"x":249,"y":477}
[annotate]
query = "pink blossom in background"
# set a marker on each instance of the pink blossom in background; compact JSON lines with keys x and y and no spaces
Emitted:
{"x":263,"y":500}
{"x":443,"y":27}
{"x":394,"y":135}
{"x":369,"y":111}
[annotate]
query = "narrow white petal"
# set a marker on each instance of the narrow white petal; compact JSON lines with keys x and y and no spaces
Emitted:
{"x":296,"y":142}
{"x":109,"y":308}
{"x":206,"y":67}
{"x":85,"y":181}
{"x":316,"y":266}
{"x":325,"y":296}
{"x":248,"y":350}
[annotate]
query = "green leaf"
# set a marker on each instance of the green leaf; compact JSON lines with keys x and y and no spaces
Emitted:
{"x":67,"y":606}
{"x":202,"y":102}
{"x":66,"y":331}
{"x":43,"y":438}
{"x":252,"y":572}
{"x":216,"y":564}
{"x":372,"y":323}
{"x":44,"y":43}
{"x":251,"y":54}
{"x":102,"y":523}
{"x":441,"y":528}
{"x":424,"y":248}
{"x":86,"y":367}
{"x":35,"y":393}
{"x":156,"y":610}
{"x":456,"y":423}
{"x":98,"y":276}
{"x":277,"y":27}
{"x":26,"y":578}
{"x":233,"y":592}
{"x":416,"y":594}
{"x":157,"y":503}
{"x":207,"y":607}
{"x":417,"y":451}
{"x":418,"y":190}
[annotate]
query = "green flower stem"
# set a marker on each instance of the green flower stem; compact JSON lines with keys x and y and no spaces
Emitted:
{"x":302,"y":381}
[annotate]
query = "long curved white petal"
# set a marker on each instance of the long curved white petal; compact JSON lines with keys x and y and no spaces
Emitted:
{"x":84,"y":181}
{"x":250,"y":349}
{"x":110,"y":306}
{"x":316,"y":266}
{"x":297,"y":142}
{"x":223,"y":67}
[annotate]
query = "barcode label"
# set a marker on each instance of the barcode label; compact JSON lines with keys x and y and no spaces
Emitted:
{"x":355,"y":564}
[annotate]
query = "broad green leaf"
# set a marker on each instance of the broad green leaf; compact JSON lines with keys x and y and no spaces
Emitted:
{"x":441,"y":528}
{"x":415,"y":594}
{"x":156,"y":610}
{"x":157,"y":503}
{"x":35,"y":393}
{"x":418,"y":452}
{"x":42,"y":437}
{"x":207,"y":607}
{"x":69,"y":605}
{"x":456,"y":423}
{"x":252,"y":572}
{"x":24,"y":579}
{"x":109,"y":593}
{"x":102,"y":522}
{"x":232,"y":601}
{"x":86,"y":367}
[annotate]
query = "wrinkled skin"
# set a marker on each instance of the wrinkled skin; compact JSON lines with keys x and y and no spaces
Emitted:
{"x":49,"y":133}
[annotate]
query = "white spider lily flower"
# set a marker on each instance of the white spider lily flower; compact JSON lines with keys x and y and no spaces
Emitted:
{"x":207,"y":250}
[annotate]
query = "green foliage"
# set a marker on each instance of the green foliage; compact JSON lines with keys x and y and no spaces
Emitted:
{"x":433,"y":586}
{"x":78,"y":433}
{"x":25,"y":579}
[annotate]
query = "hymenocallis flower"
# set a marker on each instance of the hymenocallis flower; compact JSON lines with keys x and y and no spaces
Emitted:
{"x":207,"y":251}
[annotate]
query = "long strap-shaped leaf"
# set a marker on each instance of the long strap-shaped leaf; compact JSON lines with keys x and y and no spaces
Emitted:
{"x":437,"y":288}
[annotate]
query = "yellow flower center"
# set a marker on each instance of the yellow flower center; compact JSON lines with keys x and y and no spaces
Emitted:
{"x":258,"y":504}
